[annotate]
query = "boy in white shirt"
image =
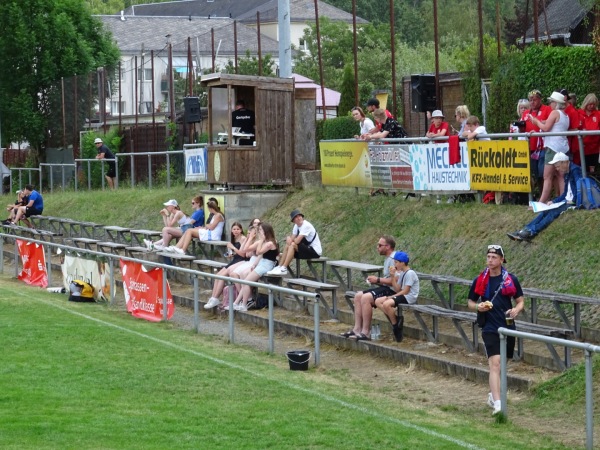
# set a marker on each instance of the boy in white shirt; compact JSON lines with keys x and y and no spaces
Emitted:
{"x":473,"y":129}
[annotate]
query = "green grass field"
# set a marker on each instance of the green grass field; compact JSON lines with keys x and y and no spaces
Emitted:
{"x":88,"y":376}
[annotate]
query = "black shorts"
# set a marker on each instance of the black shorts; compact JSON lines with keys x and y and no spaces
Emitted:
{"x":32,"y":211}
{"x":492,"y":344}
{"x":399,"y":300}
{"x":306,"y":252}
{"x":378,"y":292}
{"x":112,"y":171}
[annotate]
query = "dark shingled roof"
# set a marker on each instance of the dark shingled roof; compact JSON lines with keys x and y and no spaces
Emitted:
{"x":563,"y":16}
{"x":243,"y":10}
{"x":133,"y":32}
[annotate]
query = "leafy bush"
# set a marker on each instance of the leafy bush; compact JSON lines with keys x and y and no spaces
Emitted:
{"x":339,"y":128}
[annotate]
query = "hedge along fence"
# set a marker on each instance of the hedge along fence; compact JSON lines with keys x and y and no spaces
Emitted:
{"x":540,"y":67}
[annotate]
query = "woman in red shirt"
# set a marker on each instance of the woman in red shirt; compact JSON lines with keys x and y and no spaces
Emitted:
{"x":590,"y":118}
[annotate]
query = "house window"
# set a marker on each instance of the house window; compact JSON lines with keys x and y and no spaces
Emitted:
{"x":302,"y":44}
{"x":117,"y":107}
{"x":145,"y":107}
{"x":146,"y":73}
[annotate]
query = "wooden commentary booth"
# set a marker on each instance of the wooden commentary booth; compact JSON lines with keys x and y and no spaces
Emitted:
{"x":268,"y":156}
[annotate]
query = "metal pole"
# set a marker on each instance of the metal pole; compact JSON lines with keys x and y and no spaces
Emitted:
{"x":212,"y":44}
{"x":153,"y":101}
{"x":317,"y":312}
{"x":582,"y":156}
{"x":321,"y":77}
{"x":393,"y":59}
{"x":231,"y":300}
{"x":48,"y":251}
{"x":355,"y":53}
{"x":235,"y":48}
{"x":164,"y":289}
{"x":258,"y":43}
{"x":111,"y":284}
{"x":168,"y":170}
{"x":589,"y":401}
{"x":503,"y":376}
{"x":196,"y":319}
{"x":285,"y":43}
{"x":271,"y":323}
{"x":480,"y":14}
{"x":437,"y":55}
{"x":149,"y":172}
{"x":89,"y":176}
{"x":498,"y":29}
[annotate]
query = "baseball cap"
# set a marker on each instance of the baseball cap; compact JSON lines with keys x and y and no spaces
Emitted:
{"x":496,"y":249}
{"x":171,"y":202}
{"x":401,"y":256}
{"x":559,"y":157}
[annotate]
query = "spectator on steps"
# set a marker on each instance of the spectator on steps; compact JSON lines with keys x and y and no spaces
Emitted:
{"x":34,"y":207}
{"x":364,"y":301}
{"x":236,"y":245}
{"x":213,"y":231}
{"x":366,"y":124}
{"x":13,"y":208}
{"x":438,"y":127}
{"x":177,"y":223}
{"x":405,"y":283}
{"x":491,"y":296}
{"x":303,"y":243}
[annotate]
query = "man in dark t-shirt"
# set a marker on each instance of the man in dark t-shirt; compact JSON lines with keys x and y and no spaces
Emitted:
{"x":243,"y":119}
{"x":105,"y":153}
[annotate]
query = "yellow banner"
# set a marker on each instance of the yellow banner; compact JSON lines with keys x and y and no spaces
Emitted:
{"x":345,"y":164}
{"x":499,"y":166}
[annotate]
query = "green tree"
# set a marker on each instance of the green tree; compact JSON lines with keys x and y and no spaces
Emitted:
{"x":248,"y":65}
{"x":48,"y":40}
{"x":347,"y":91}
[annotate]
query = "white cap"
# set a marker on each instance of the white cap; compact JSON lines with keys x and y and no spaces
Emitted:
{"x":437,"y":113}
{"x":97,"y":141}
{"x":171,"y":202}
{"x":559,"y":157}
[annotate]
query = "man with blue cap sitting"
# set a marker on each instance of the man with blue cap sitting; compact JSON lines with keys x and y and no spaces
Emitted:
{"x":405,"y":283}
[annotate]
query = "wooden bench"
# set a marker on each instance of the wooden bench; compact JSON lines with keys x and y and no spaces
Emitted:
{"x":207,"y":248}
{"x":43,"y":235}
{"x":365,"y":270}
{"x":116,"y":233}
{"x":318,"y":287}
{"x":138,"y":236}
{"x":311,"y":263}
{"x":472,"y":343}
{"x":113,"y":247}
{"x":85,"y":242}
{"x":534,"y":295}
{"x":131,"y":251}
{"x":213,"y":266}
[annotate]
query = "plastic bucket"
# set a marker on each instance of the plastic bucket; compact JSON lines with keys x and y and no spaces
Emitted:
{"x":298,"y":359}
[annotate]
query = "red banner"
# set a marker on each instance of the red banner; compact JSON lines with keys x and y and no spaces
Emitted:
{"x":144,"y":293}
{"x":34,"y":264}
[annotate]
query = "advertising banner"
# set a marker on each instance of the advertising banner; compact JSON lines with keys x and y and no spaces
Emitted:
{"x":345,"y":164}
{"x":390,"y":166}
{"x":196,"y":165}
{"x":34,"y":264}
{"x":500,"y":166}
{"x":143,"y":290}
{"x":432,"y":171}
{"x":88,"y":270}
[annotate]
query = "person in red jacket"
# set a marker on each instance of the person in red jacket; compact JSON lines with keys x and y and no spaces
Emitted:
{"x":438,"y":127}
{"x":536,"y":144}
{"x":574,"y":119}
{"x":590,"y":119}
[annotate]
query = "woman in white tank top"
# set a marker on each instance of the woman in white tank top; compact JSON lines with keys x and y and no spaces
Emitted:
{"x":556,"y":122}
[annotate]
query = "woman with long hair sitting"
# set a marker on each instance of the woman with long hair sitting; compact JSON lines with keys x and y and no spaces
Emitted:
{"x":213,"y":231}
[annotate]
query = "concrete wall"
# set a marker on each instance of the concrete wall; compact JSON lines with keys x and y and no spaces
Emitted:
{"x":242,"y":206}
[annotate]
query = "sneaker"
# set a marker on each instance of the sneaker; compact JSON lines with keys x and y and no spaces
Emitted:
{"x":398,"y":329}
{"x":280,"y":270}
{"x":490,"y":400}
{"x":160,"y":248}
{"x":250,"y":303}
{"x":236,"y":306}
{"x":242,"y":308}
{"x":212,"y":302}
{"x":525,"y":234}
{"x":174,"y":248}
{"x":497,"y":407}
{"x":148,"y":244}
{"x":226,"y":308}
{"x":515,"y":236}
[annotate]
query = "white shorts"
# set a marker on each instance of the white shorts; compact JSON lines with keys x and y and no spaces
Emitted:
{"x":242,"y":268}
